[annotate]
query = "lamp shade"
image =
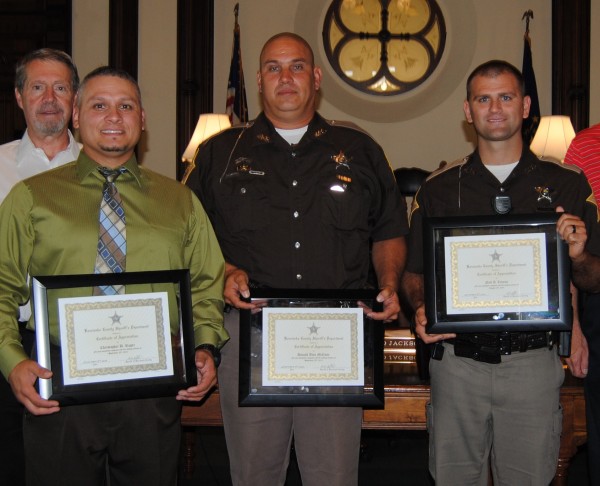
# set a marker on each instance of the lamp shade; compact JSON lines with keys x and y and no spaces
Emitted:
{"x":208,"y":125}
{"x":553,"y":137}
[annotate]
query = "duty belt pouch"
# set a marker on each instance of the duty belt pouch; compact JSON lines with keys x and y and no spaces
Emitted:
{"x":465,"y":349}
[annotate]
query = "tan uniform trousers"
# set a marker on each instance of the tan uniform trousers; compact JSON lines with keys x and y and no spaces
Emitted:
{"x":326,"y":439}
{"x":506,"y":414}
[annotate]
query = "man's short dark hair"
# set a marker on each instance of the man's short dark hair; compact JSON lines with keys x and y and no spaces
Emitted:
{"x":108,"y":71}
{"x":45,"y":54}
{"x":494,"y":68}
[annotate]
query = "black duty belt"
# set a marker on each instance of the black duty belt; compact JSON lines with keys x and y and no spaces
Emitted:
{"x":489,"y":347}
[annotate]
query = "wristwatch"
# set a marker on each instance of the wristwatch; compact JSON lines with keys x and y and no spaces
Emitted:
{"x":213,"y":350}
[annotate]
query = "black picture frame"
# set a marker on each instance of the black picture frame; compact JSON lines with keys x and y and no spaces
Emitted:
{"x":554,"y":311}
{"x":253,"y":391}
{"x":174,"y":288}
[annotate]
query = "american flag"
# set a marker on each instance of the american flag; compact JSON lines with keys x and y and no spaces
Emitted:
{"x":531,"y":123}
{"x":236,"y":106}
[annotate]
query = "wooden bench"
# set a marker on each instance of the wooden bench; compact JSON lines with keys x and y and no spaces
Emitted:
{"x":405,"y":410}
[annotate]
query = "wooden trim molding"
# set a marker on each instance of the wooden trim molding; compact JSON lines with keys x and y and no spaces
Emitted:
{"x":195,"y":58}
{"x":26,"y":25}
{"x":405,"y":410}
{"x":571,"y":60}
{"x":123,"y":35}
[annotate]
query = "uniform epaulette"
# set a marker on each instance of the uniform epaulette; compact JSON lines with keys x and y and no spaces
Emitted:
{"x":448,"y":166}
{"x":570,"y":167}
{"x":240,"y":126}
{"x":348,"y":124}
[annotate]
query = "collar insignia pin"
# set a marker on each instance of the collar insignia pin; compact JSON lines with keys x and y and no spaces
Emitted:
{"x":543,"y":193}
{"x":263,"y":138}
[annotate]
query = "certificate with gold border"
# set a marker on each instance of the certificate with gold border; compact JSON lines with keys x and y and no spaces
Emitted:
{"x":105,"y":348}
{"x":111,"y":338}
{"x":498,"y":273}
{"x":311,"y":347}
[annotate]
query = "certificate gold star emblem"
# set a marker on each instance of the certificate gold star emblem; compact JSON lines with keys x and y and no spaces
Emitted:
{"x":116,"y":318}
{"x":313,"y":329}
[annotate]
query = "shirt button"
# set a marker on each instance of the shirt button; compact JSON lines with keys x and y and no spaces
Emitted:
{"x":294,"y":183}
{"x":243,"y":190}
{"x":502,"y":189}
{"x":297,"y":245}
{"x":298,"y":277}
{"x":293,"y":154}
{"x":296,"y":214}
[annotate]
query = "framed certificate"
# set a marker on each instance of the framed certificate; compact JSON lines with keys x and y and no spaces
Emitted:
{"x":311,"y":347}
{"x":496,"y":273}
{"x":119,"y":347}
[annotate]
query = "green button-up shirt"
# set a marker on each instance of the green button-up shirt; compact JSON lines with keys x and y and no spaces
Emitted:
{"x":49,"y":226}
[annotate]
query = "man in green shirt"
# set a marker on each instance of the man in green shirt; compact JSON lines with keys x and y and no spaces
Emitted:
{"x":49,"y":226}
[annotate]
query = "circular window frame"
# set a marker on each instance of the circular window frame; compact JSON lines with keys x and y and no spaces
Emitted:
{"x":387,"y":37}
{"x":449,"y":75}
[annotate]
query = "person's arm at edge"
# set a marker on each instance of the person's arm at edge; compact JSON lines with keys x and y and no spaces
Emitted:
{"x":20,"y":371}
{"x":413,"y":288}
{"x":585,"y":271}
{"x":207,"y":270}
{"x":389,"y":259}
{"x":585,"y":267}
{"x":578,"y":359}
{"x":237,"y":287}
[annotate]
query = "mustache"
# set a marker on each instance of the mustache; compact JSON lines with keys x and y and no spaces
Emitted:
{"x":50,"y":106}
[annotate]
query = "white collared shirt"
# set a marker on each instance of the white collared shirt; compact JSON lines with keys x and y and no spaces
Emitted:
{"x":21,"y":159}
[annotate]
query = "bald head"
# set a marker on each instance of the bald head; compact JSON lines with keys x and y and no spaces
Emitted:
{"x":288,"y":35}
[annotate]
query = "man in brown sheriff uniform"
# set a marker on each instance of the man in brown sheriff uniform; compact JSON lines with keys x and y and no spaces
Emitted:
{"x":295,"y":201}
{"x":496,"y":394}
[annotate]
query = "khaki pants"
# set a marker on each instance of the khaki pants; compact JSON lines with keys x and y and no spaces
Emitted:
{"x":506,"y":414}
{"x":326,"y":439}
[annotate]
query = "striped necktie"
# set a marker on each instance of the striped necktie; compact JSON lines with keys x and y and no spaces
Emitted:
{"x":112,"y":244}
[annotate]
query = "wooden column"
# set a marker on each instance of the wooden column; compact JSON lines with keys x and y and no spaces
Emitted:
{"x":571,"y":60}
{"x":195,"y":45}
{"x":123,"y":35}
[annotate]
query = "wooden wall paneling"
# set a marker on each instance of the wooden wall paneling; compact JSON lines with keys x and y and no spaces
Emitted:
{"x":26,"y":25}
{"x":571,"y":60}
{"x":123,"y":35}
{"x":195,"y":45}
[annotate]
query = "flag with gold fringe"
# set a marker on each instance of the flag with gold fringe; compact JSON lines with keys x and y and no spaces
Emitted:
{"x":531,"y":123}
{"x":236,"y":106}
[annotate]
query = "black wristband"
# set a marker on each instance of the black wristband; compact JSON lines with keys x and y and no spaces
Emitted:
{"x":213,"y":350}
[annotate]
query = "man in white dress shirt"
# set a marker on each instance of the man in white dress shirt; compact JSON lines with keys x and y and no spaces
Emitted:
{"x":46,"y":81}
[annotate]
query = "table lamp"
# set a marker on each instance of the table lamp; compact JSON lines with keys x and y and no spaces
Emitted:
{"x":209,"y":124}
{"x":552,"y":138}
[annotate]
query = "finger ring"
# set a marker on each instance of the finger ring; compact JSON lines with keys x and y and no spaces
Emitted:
{"x":574,"y":229}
